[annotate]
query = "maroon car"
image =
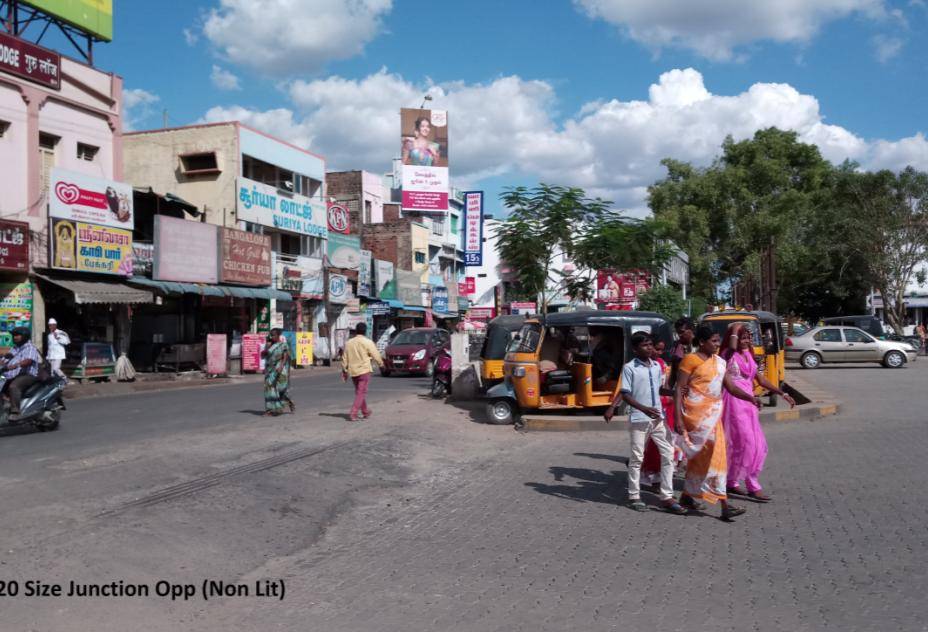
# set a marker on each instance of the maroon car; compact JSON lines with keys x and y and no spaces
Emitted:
{"x":414,"y":350}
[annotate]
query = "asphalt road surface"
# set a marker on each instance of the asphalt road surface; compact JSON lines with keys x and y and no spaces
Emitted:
{"x":424,"y":520}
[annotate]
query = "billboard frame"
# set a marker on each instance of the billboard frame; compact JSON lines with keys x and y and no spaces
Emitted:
{"x":24,"y":16}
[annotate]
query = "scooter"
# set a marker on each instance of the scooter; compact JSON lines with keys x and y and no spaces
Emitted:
{"x":441,"y":377}
{"x":41,"y":406}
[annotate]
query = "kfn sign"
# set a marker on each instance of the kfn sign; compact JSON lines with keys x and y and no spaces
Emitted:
{"x":473,"y":228}
{"x":338,"y":218}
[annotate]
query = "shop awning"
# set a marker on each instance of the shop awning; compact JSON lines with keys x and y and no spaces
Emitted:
{"x":101,"y":291}
{"x":445,"y":315}
{"x":206,"y":289}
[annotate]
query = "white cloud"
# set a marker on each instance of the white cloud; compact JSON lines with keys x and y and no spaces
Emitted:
{"x":137,"y":106}
{"x":223,"y":79}
{"x":717,"y":28}
{"x":507,"y":127}
{"x":886,"y":47}
{"x":191,"y":37}
{"x":281,"y":37}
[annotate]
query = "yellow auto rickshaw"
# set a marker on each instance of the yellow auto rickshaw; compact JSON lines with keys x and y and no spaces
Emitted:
{"x":499,"y":334}
{"x":569,"y":361}
{"x":769,"y":352}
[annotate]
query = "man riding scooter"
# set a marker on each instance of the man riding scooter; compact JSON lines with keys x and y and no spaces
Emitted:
{"x":20,"y":368}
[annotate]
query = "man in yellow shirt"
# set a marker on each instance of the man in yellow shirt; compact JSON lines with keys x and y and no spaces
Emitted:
{"x":356,"y":360}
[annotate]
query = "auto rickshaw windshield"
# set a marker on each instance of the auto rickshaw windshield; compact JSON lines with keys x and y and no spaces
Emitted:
{"x":720,"y":326}
{"x":527,"y":339}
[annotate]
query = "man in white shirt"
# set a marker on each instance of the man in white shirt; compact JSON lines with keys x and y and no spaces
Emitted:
{"x":57,"y":341}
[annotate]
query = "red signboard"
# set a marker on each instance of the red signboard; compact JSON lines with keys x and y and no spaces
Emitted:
{"x":246,"y":258}
{"x":14,"y":246}
{"x":29,"y":61}
{"x":216,"y":354}
{"x":468,"y":287}
{"x":614,"y":287}
{"x":338,"y":218}
{"x":251,"y":351}
{"x":481,"y":313}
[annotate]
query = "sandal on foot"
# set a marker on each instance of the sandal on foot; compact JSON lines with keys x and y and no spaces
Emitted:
{"x":737,"y":490}
{"x":692,"y":503}
{"x":730,"y":512}
{"x":674,"y":507}
{"x":637,"y":505}
{"x":759,"y":496}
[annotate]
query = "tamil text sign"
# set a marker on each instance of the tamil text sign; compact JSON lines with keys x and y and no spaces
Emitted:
{"x":425,"y":159}
{"x":185,"y":251}
{"x":86,"y":247}
{"x":246,"y":258}
{"x":82,"y":198}
{"x":29,"y":61}
{"x":473,"y":228}
{"x":263,"y":204}
{"x":14,"y":246}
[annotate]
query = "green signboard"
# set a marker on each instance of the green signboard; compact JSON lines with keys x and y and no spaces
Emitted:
{"x":94,"y":17}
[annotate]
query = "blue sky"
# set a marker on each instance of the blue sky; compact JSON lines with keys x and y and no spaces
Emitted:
{"x":587,"y":92}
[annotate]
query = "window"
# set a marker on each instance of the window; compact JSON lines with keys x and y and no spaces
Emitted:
{"x":199,"y":163}
{"x":48,"y":141}
{"x":828,"y":335}
{"x":438,"y":227}
{"x":291,"y":245}
{"x":855,"y":335}
{"x":454,"y":225}
{"x":86,"y":152}
{"x":4,"y":126}
{"x":285,"y":181}
{"x":367,"y":211}
{"x":420,"y":257}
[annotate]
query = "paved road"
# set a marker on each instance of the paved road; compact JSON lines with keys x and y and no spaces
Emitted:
{"x":425,"y":521}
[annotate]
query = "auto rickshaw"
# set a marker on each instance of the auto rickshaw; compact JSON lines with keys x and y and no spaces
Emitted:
{"x":569,"y":361}
{"x":499,"y":334}
{"x":769,"y":352}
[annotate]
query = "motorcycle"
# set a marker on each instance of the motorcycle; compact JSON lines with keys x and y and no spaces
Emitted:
{"x":41,"y":406}
{"x":441,"y":377}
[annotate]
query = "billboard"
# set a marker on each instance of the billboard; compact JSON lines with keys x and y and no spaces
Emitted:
{"x":344,"y":251}
{"x":91,"y":16}
{"x":262,"y":204}
{"x":473,"y":228}
{"x":30,"y":62}
{"x":409,"y":287}
{"x":14,"y":246}
{"x":86,"y":247}
{"x":303,"y":277}
{"x":82,"y":198}
{"x":620,"y":288}
{"x":185,"y":251}
{"x":424,"y":145}
{"x":15,"y":309}
{"x":364,"y":274}
{"x":246,"y":258}
{"x":440,"y":299}
{"x":383,"y":277}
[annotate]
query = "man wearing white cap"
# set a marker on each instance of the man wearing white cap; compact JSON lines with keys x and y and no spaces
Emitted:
{"x":57,"y":341}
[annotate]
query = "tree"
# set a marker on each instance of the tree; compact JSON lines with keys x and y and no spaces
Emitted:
{"x":887,"y":226}
{"x":549,"y":224}
{"x":663,"y":299}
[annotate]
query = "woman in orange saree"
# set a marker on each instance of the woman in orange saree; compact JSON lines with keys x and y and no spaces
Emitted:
{"x":698,"y":397}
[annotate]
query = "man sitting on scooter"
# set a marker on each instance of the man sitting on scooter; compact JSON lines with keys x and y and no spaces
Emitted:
{"x":20,"y":367}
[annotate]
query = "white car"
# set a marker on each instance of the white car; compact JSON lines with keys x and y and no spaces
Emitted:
{"x":830,"y":344}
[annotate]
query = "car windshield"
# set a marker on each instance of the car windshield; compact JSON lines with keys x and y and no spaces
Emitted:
{"x":412,"y":337}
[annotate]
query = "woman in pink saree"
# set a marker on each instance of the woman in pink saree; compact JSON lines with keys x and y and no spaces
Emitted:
{"x":746,"y":444}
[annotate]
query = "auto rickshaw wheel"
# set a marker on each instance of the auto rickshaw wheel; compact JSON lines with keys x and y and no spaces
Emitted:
{"x":501,"y":412}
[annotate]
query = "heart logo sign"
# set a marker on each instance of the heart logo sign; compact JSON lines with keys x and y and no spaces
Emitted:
{"x":67,"y":192}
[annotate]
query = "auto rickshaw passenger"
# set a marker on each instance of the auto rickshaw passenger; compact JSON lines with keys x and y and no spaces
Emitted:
{"x":605,"y":359}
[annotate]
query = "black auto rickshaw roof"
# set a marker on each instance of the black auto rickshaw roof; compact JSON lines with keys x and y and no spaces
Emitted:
{"x":508,"y":321}
{"x":598,"y":318}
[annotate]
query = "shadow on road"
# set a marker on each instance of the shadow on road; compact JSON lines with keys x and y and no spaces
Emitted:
{"x":344,"y":416}
{"x":606,"y":457}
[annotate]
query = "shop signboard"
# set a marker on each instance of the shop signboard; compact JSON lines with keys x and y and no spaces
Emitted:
{"x":338,"y":218}
{"x":143,"y":258}
{"x":383,"y":277}
{"x":90,"y":248}
{"x":185,"y":251}
{"x":14,"y":246}
{"x":33,"y":63}
{"x":481,"y":313}
{"x":378,"y":308}
{"x":82,"y":198}
{"x":473,"y":229}
{"x":623,"y":288}
{"x":440,"y":299}
{"x":409,"y":287}
{"x":525,"y":308}
{"x":468,"y":287}
{"x":263,"y":318}
{"x":246,"y":258}
{"x":251,"y":351}
{"x":364,"y":274}
{"x":263,"y":204}
{"x":216,"y":349}
{"x":304,"y":348}
{"x":339,"y":289}
{"x":354,"y":305}
{"x":15,"y":309}
{"x":344,"y":251}
{"x":424,"y":145}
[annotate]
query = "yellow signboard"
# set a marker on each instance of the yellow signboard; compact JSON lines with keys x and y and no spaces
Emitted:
{"x":92,"y":16}
{"x":304,"y":348}
{"x":91,"y":248}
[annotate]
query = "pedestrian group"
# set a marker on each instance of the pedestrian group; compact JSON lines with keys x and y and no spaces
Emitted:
{"x":700,"y":409}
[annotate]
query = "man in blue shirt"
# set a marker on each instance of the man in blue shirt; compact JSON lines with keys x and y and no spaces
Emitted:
{"x":20,"y":367}
{"x":641,"y":390}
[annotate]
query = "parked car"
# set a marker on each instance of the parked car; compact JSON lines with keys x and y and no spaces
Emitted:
{"x":846,"y":344}
{"x":871,"y":324}
{"x":414,"y":351}
{"x":798,"y":328}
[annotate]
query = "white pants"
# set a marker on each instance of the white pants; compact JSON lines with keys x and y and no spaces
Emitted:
{"x":56,"y":368}
{"x":639,"y":433}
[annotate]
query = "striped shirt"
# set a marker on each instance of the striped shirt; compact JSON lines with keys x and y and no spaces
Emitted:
{"x":25,"y":352}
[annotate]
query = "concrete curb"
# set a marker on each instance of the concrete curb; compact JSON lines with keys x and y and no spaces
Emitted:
{"x":564,"y":423}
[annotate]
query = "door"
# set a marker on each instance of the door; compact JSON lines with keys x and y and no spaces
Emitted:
{"x":860,"y":346}
{"x":829,"y":344}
